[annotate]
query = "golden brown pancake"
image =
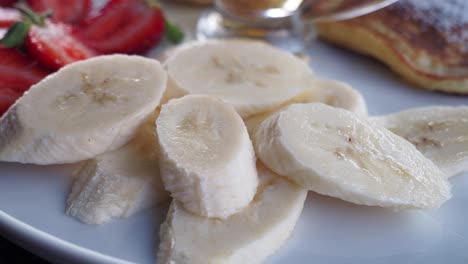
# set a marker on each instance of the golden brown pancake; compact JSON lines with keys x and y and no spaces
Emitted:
{"x":426,"y":41}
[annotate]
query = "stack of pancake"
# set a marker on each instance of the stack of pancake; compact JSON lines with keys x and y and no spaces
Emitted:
{"x":425,"y":41}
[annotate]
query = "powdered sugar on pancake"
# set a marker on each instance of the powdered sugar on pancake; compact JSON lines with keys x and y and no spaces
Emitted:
{"x":449,"y":16}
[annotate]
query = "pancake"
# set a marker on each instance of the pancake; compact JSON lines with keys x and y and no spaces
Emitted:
{"x":425,"y":41}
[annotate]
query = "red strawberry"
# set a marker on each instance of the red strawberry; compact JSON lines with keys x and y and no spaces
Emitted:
{"x":8,"y":16}
{"x":53,"y":45}
{"x":7,"y":2}
{"x":123,"y":26}
{"x":17,"y":74}
{"x":65,"y":11}
{"x":17,"y":71}
{"x":7,"y":98}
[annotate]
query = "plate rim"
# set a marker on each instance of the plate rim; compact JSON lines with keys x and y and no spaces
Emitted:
{"x":47,"y":246}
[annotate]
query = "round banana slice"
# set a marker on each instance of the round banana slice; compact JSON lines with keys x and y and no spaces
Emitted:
{"x":207,"y":159}
{"x":333,"y":93}
{"x":337,"y":94}
{"x":335,"y":152}
{"x":249,"y":236}
{"x":168,"y":53}
{"x":252,"y":76}
{"x":81,"y":111}
{"x":439,"y":132}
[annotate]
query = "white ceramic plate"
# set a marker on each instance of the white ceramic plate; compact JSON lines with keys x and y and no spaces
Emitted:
{"x":32,"y":200}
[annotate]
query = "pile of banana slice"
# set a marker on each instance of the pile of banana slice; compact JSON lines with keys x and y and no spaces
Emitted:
{"x":193,"y":128}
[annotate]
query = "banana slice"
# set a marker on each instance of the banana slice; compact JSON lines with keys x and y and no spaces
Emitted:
{"x":335,"y":152}
{"x":252,"y":76}
{"x":168,"y":53}
{"x":120,"y":183}
{"x":440,"y":133}
{"x":207,"y":159}
{"x":337,"y":94}
{"x":83,"y":110}
{"x":333,"y":93}
{"x":247,"y":237}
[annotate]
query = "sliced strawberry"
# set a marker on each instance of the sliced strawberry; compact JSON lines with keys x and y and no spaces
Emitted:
{"x":17,"y":74}
{"x":54,"y":47}
{"x":123,"y":26}
{"x":7,"y":98}
{"x":8,"y":16}
{"x":65,"y":11}
{"x":7,"y":2}
{"x":17,"y":71}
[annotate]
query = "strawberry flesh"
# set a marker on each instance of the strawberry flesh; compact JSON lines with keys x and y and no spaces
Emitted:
{"x":7,"y":98}
{"x":65,"y":11}
{"x":123,"y":26}
{"x":17,"y":71}
{"x":54,"y":47}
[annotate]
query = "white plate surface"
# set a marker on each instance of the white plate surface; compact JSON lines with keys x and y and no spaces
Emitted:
{"x":32,"y":201}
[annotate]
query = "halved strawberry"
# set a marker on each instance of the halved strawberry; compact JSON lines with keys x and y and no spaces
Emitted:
{"x":65,"y":11}
{"x":8,"y":16}
{"x":17,"y":74}
{"x":7,"y":98}
{"x":54,"y":47}
{"x":123,"y":26}
{"x":18,"y":71}
{"x":49,"y":43}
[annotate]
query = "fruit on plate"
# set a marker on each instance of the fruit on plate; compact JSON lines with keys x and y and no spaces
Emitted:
{"x":17,"y":71}
{"x":333,"y":93}
{"x":123,"y":26}
{"x":337,"y":94}
{"x":83,"y":110}
{"x":337,"y":153}
{"x":70,"y":11}
{"x":17,"y":74}
{"x":166,"y":54}
{"x":49,"y":43}
{"x":252,"y":76}
{"x":120,"y":183}
{"x":54,"y":47}
{"x":207,"y":160}
{"x":8,"y":16}
{"x":439,"y":132}
{"x":7,"y":98}
{"x":249,"y":236}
